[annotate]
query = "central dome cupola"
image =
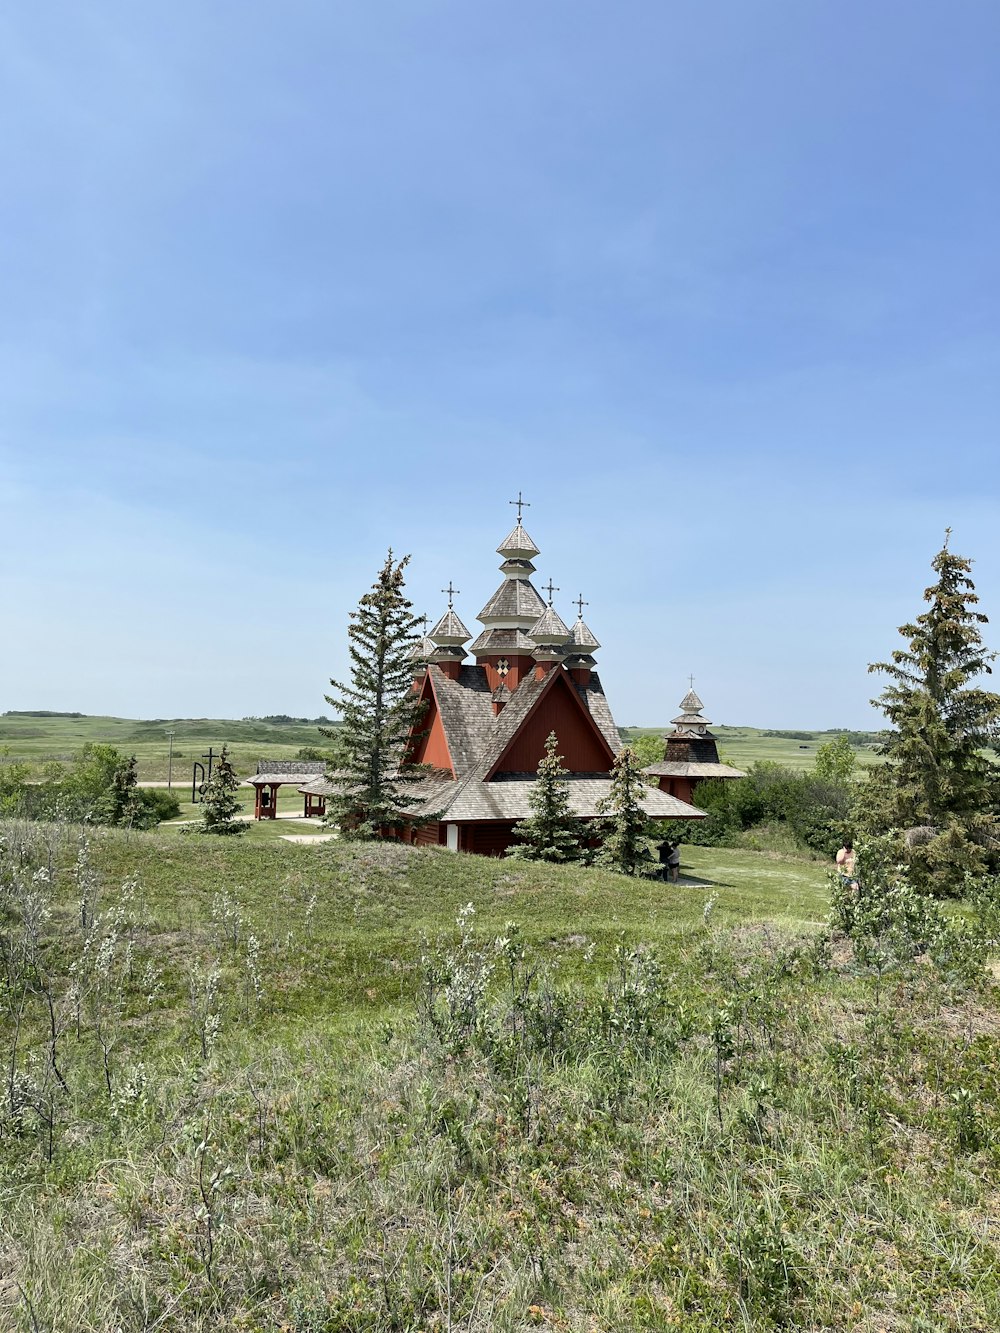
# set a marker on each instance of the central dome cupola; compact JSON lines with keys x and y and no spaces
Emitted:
{"x":505,"y":646}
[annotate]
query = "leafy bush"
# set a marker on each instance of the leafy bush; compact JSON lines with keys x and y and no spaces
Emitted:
{"x":158,"y":805}
{"x":890,"y":922}
{"x":812,"y":810}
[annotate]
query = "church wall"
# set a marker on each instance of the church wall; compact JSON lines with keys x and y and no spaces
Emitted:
{"x":428,"y":835}
{"x":682,"y":788}
{"x":581,"y":750}
{"x":518,"y":668}
{"x":491,"y":839}
{"x":433,"y":748}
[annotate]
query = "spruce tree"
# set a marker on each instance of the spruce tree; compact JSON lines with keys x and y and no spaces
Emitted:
{"x":551,"y":833}
{"x":626,"y":845}
{"x":123,"y":804}
{"x":221,"y":805}
{"x":378,"y":712}
{"x":938,"y":789}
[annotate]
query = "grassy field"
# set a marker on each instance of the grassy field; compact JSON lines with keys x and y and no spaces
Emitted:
{"x":307,"y":1088}
{"x":742,"y":746}
{"x":37,"y":740}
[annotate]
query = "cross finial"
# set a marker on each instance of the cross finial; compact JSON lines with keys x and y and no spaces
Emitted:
{"x":451,"y":593}
{"x":425,"y":621}
{"x":691,"y":682}
{"x":550,"y":588}
{"x":521,"y":504}
{"x":580,"y":604}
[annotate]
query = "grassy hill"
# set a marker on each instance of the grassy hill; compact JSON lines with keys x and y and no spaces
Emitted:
{"x":306,"y":1088}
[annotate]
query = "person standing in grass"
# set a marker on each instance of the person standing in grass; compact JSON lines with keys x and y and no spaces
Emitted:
{"x":674,"y":862}
{"x":845,"y":862}
{"x":670,"y":860}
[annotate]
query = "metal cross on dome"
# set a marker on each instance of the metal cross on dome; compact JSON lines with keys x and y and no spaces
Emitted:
{"x":580,"y":604}
{"x":550,"y":588}
{"x":521,"y":504}
{"x":691,"y":681}
{"x":452,"y":593}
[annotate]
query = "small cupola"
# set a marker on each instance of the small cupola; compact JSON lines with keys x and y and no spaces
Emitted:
{"x":419,"y":656}
{"x":449,"y":637}
{"x":550,"y":637}
{"x":581,"y":647}
{"x":691,"y":721}
{"x":518,"y":549}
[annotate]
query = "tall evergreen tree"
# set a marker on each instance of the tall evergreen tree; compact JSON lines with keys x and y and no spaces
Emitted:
{"x":939,"y":789}
{"x":552,"y":832}
{"x":122,"y":804}
{"x":378,"y":710}
{"x":221,"y":805}
{"x":627,"y":846}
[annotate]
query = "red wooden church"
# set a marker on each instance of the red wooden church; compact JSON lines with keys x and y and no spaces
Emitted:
{"x":484,"y":726}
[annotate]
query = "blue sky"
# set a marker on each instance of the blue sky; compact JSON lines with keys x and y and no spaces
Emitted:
{"x":716,"y":285}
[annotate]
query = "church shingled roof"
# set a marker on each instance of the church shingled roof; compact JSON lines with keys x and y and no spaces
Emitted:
{"x":495,"y":639}
{"x":515,"y":599}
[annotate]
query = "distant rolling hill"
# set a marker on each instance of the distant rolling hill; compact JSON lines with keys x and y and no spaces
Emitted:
{"x":38,"y":737}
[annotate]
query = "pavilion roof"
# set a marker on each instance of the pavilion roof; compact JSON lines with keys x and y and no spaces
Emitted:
{"x":691,"y":769}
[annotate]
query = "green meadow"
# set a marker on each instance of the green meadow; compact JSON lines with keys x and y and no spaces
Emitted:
{"x":348,"y":1088}
{"x":39,"y":740}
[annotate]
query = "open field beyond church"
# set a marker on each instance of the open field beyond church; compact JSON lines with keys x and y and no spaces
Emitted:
{"x":38,"y":740}
{"x":310,"y":1088}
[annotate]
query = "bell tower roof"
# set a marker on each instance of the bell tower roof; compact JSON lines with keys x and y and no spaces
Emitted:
{"x":690,"y":719}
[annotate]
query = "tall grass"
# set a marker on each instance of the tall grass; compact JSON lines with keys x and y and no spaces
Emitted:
{"x":523,"y":1118}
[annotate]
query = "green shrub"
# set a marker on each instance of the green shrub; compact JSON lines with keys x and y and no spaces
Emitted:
{"x":804,"y":812}
{"x":158,"y":805}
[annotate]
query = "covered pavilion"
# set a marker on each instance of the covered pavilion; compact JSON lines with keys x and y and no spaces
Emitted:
{"x":272,"y":774}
